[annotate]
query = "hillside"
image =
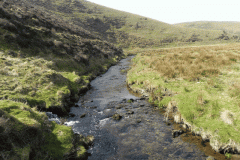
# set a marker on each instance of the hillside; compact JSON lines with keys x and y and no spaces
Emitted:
{"x":50,"y":50}
{"x":229,"y":27}
{"x":122,"y":28}
{"x":45,"y":65}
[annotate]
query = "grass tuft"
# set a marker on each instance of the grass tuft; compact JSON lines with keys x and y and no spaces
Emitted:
{"x":203,"y":81}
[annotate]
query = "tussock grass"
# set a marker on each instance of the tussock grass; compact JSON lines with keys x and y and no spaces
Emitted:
{"x":204,"y":83}
{"x":190,"y":63}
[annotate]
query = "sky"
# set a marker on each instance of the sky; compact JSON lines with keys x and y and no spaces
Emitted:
{"x":177,"y":11}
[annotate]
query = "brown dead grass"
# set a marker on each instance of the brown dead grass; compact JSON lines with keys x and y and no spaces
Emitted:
{"x":192,"y":63}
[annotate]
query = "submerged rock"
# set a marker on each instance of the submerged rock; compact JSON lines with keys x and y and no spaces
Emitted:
{"x":176,"y":133}
{"x":130,"y":112}
{"x":116,"y":116}
{"x":71,"y":115}
{"x":83,"y":115}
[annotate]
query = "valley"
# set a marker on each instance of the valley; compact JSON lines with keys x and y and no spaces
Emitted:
{"x":58,"y":56}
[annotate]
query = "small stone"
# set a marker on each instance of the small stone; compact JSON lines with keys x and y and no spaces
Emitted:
{"x":203,"y":144}
{"x":93,"y":107}
{"x":210,"y":158}
{"x":116,"y":116}
{"x":176,"y":133}
{"x":139,"y":121}
{"x":71,"y":114}
{"x":130,"y":112}
{"x":119,"y":107}
{"x":89,"y":140}
{"x":168,"y":123}
{"x":185,"y":126}
{"x":83,"y":115}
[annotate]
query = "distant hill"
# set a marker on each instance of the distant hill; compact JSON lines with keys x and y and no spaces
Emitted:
{"x":122,"y":28}
{"x":229,"y":27}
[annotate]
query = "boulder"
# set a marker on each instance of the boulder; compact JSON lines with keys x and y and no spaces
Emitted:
{"x":176,"y":133}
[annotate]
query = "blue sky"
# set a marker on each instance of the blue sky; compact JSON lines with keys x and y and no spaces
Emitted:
{"x":177,"y":11}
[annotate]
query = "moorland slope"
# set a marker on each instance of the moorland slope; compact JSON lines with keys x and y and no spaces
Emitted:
{"x":50,"y":50}
{"x":127,"y":30}
{"x":45,"y":64}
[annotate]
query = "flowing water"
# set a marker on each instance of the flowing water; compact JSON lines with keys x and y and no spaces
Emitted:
{"x":140,"y":134}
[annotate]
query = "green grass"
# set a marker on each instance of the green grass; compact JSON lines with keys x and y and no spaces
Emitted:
{"x":56,"y":144}
{"x":128,"y":30}
{"x":210,"y":104}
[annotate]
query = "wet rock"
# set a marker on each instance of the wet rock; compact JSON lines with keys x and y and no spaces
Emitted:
{"x":203,"y":143}
{"x":116,"y":116}
{"x":93,"y":107}
{"x":139,"y":121}
{"x":89,"y":140}
{"x":168,"y":123}
{"x":210,"y":158}
{"x":119,"y":107}
{"x":130,"y":112}
{"x":141,"y":105}
{"x":71,"y":115}
{"x":185,"y":126}
{"x":83,"y":115}
{"x":176,"y":133}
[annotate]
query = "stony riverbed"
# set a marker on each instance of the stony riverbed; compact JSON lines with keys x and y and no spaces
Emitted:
{"x":127,"y":126}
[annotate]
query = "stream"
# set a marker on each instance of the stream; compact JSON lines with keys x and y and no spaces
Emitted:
{"x":140,"y":134}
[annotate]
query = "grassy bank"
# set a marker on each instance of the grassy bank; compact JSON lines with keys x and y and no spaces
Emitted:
{"x":41,"y":83}
{"x":198,"y":86}
{"x":45,"y":65}
{"x":45,"y":82}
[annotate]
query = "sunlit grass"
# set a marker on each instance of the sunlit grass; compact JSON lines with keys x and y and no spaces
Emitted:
{"x":203,"y":81}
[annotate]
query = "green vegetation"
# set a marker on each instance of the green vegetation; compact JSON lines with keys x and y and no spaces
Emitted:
{"x":51,"y":50}
{"x":128,"y":30}
{"x":228,"y":155}
{"x":129,"y":101}
{"x":45,"y":65}
{"x":26,"y":132}
{"x":202,"y":82}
